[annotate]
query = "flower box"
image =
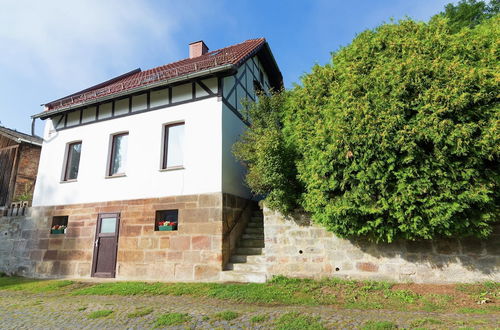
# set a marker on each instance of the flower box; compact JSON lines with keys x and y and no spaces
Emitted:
{"x":57,"y":231}
{"x":167,"y":228}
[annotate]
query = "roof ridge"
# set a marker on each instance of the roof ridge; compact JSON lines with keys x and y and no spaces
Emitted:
{"x":230,"y":55}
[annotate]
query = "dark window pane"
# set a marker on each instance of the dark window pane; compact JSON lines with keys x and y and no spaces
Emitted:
{"x":118,"y":154}
{"x":73,"y":161}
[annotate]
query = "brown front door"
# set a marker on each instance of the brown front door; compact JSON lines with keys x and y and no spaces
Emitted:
{"x":106,"y":245}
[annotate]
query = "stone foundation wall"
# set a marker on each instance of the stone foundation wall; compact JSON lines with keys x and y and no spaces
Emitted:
{"x":15,"y":246}
{"x":295,"y":247}
{"x":192,"y":253}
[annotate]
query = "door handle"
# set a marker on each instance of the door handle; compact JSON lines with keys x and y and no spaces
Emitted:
{"x":96,"y":243}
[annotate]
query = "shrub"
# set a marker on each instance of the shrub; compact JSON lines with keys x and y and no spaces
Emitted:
{"x":397,"y":138}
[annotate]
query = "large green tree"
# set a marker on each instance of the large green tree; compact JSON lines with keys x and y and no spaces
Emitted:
{"x":397,"y":138}
{"x":469,"y":13}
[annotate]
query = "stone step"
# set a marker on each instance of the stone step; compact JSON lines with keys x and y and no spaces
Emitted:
{"x":243,"y":277}
{"x":246,"y":267}
{"x":249,"y":251}
{"x":253,"y":230}
{"x":255,"y":225}
{"x":252,"y":236}
{"x":254,"y":218}
{"x":239,"y":258}
{"x":251,"y":243}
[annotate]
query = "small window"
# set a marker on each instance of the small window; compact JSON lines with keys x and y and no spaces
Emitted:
{"x":72,"y":161}
{"x":118,"y":158}
{"x":173,"y":146}
{"x":59,"y":225}
{"x":166,"y":220}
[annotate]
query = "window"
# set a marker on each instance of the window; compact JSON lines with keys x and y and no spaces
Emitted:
{"x":173,"y":146}
{"x":59,"y":224}
{"x":166,"y":220}
{"x":72,"y":161}
{"x":118,"y":158}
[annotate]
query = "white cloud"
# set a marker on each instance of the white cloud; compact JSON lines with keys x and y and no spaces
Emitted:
{"x":72,"y":44}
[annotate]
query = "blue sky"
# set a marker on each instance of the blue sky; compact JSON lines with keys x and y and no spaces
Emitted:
{"x":53,"y":48}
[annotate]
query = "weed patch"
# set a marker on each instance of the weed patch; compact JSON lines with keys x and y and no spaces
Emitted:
{"x":259,"y":318}
{"x":171,"y":319}
{"x":297,"y":321}
{"x":379,"y":325}
{"x":425,"y":321}
{"x":99,"y":314}
{"x":140,"y":312}
{"x":226,"y":315}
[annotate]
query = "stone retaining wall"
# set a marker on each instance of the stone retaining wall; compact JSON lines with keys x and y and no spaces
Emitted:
{"x":295,"y":247}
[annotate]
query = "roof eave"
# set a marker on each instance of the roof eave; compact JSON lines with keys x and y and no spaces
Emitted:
{"x":225,"y":67}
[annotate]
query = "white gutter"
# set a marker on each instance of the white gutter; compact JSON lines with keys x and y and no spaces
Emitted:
{"x":46,"y":114}
{"x":19,"y":140}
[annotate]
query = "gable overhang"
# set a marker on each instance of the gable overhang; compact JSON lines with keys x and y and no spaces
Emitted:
{"x":20,"y":140}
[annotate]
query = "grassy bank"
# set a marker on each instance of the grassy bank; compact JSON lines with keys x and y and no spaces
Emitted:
{"x":464,"y":298}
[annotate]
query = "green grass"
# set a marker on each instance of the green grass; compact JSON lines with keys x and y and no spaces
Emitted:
{"x":81,"y":309}
{"x":259,"y":318}
{"x":283,"y":291}
{"x":425,"y":321}
{"x":140,"y":312}
{"x":32,"y":286}
{"x":99,"y":314}
{"x":171,"y":319}
{"x":270,"y":293}
{"x":225,"y":315}
{"x":379,"y":325}
{"x":298,"y":321}
{"x":484,"y":310}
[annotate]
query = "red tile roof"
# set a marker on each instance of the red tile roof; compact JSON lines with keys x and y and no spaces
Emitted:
{"x":235,"y":55}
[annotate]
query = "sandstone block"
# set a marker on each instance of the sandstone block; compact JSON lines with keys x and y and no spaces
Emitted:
{"x":130,"y":256}
{"x":367,"y":267}
{"x":201,"y":242}
{"x":180,"y":243}
{"x":131,"y":230}
{"x":155,"y":256}
{"x":148,"y":243}
{"x":206,"y":272}
{"x":128,"y":243}
{"x":55,"y":243}
{"x":192,"y":257}
{"x":164,"y":242}
{"x":184,"y":272}
{"x":50,"y":255}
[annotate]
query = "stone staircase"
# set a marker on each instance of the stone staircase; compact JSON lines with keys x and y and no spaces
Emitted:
{"x":247,"y":264}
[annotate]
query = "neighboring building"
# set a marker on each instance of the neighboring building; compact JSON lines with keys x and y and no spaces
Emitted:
{"x":19,"y":155}
{"x":122,"y":157}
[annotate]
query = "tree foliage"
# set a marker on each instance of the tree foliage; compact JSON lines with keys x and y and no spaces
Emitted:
{"x":269,"y":158}
{"x":469,"y":13}
{"x":397,"y":138}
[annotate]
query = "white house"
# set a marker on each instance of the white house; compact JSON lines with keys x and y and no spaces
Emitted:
{"x":127,"y":159}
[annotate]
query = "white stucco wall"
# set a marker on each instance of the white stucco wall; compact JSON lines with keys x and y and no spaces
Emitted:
{"x":233,"y":172}
{"x":203,"y":157}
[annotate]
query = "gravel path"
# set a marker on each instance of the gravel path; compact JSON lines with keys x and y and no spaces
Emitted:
{"x":19,"y":310}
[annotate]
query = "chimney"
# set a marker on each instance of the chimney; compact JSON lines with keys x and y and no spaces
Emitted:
{"x":197,"y":48}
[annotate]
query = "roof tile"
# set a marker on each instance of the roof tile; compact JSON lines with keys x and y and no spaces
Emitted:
{"x":234,"y":54}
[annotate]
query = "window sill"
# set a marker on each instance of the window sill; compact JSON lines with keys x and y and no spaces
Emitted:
{"x":68,"y":181}
{"x":115,"y":176}
{"x":173,"y":168}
